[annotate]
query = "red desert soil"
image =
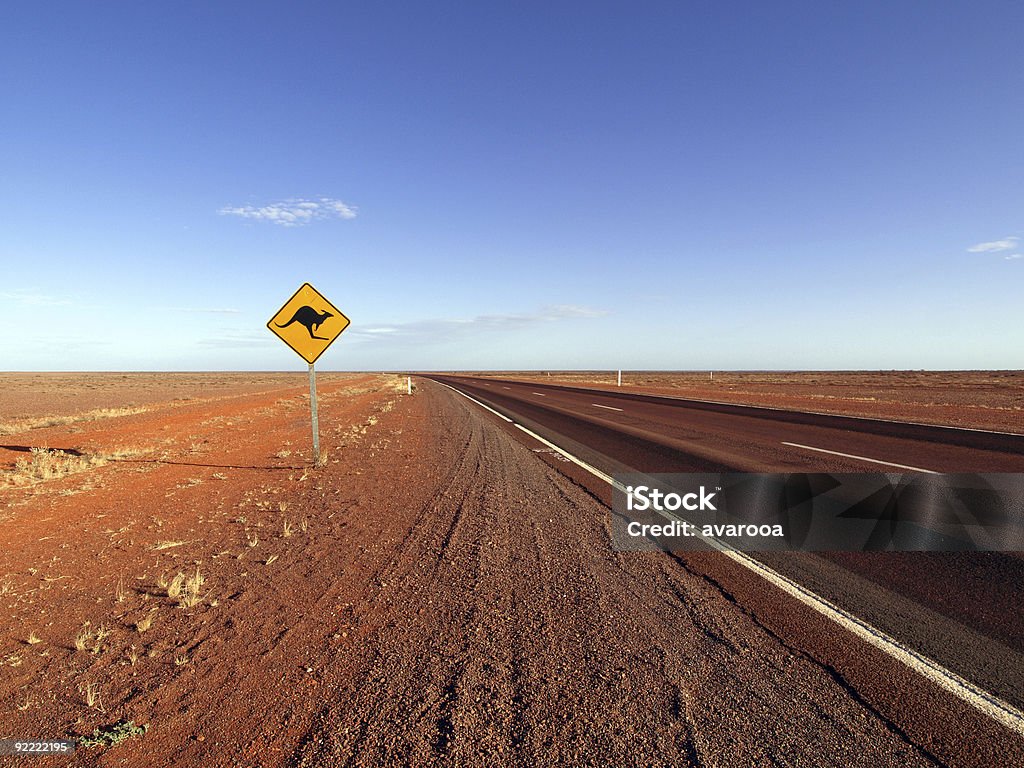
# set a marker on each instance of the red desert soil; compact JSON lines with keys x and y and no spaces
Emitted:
{"x":436,"y":594}
{"x":992,"y":400}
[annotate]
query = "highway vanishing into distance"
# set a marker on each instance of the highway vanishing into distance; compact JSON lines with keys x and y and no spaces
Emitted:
{"x":950,"y":666}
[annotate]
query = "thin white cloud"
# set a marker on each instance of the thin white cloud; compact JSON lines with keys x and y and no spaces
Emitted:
{"x":443,"y":329}
{"x":995,"y":246}
{"x":212,"y":311}
{"x":295,"y":212}
{"x":239,"y":340}
{"x":32,"y":298}
{"x":1013,"y":256}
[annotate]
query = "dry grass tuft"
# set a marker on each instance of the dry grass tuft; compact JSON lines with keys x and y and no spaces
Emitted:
{"x":45,"y":464}
{"x":162,"y":545}
{"x":176,"y":586}
{"x":187,"y":591}
{"x":145,"y":623}
{"x":192,"y":593}
{"x":91,"y":639}
{"x":83,"y":637}
{"x":287,"y":530}
{"x":33,"y":639}
{"x":91,"y":693}
{"x":321,"y":460}
{"x":23,"y":425}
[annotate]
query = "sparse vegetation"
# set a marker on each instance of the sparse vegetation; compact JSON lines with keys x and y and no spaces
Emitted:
{"x":91,"y":693}
{"x":253,"y":539}
{"x":112,"y":735}
{"x":162,"y":545}
{"x":286,"y":530}
{"x":192,"y":593}
{"x":175,"y":587}
{"x":83,"y":637}
{"x":270,"y":560}
{"x":120,"y":593}
{"x":33,"y":639}
{"x":145,"y":623}
{"x":89,"y":639}
{"x":23,"y":425}
{"x":45,"y":464}
{"x":180,"y":660}
{"x":186,"y":591}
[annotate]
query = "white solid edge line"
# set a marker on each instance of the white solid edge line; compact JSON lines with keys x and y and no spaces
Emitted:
{"x":482,"y":405}
{"x":986,"y":703}
{"x":861,"y":458}
{"x":607,"y":407}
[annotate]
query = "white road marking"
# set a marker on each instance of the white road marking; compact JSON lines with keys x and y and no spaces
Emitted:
{"x":986,"y":703}
{"x":861,"y":458}
{"x":482,"y":405}
{"x":506,"y":387}
{"x":538,"y":394}
{"x":810,"y":413}
{"x":607,"y":407}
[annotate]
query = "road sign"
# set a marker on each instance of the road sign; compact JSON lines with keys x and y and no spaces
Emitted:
{"x":308,"y":323}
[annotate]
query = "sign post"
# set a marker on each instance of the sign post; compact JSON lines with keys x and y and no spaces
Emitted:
{"x":309,"y":323}
{"x":313,"y":414}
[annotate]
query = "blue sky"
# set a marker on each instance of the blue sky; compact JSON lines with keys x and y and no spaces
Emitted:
{"x":684,"y":185}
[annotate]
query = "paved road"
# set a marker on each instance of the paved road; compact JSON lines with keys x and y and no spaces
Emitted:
{"x":637,"y":429}
{"x":961,"y":610}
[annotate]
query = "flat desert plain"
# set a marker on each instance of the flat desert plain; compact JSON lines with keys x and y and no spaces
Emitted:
{"x":992,"y":400}
{"x":180,"y":584}
{"x":155,"y":524}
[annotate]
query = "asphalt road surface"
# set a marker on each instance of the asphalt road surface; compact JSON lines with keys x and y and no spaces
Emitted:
{"x":959,"y":609}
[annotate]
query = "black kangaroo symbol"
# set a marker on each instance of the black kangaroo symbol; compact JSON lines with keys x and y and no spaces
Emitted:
{"x":310,"y":318}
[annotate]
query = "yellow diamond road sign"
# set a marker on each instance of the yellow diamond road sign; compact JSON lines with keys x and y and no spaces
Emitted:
{"x":308,"y":323}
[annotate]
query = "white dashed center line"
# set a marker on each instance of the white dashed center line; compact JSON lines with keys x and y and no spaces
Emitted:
{"x":861,"y":458}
